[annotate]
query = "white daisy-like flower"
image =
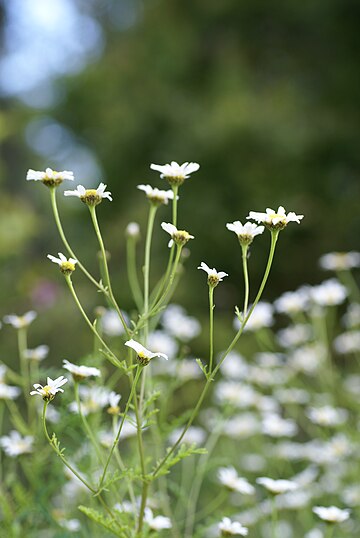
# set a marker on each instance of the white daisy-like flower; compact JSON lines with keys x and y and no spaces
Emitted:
{"x":92,"y":400}
{"x":245,"y":232}
{"x":327,"y":415}
{"x":15,"y":445}
{"x":232,"y":528}
{"x":38,"y":354}
{"x":177,"y":323}
{"x":80,"y":372}
{"x":67,"y":266}
{"x":340,"y":261}
{"x":19,"y":322}
{"x":50,"y":177}
{"x":9,"y":392}
{"x":155,"y":195}
{"x":175,"y":173}
{"x":156,"y":523}
{"x":277,"y":486}
{"x":229,"y":478}
{"x":180,"y":237}
{"x":51,"y":388}
{"x":275,"y":220}
{"x":91,"y":197}
{"x":114,"y":400}
{"x":133,"y":230}
{"x":329,"y":293}
{"x":144,"y":355}
{"x":214,"y":277}
{"x":331,"y":514}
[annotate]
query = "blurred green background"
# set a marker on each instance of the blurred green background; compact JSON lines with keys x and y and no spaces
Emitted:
{"x":264,"y":95}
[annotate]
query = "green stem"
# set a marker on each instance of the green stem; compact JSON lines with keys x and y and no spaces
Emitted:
{"x":330,"y":530}
{"x":244,"y":249}
{"x":273,"y":518}
{"x":92,"y":210}
{"x":149,"y":232}
{"x":114,"y":360}
{"x":175,"y":189}
{"x":116,"y":440}
{"x":85,"y":423}
{"x":274,"y":236}
{"x":65,"y":241}
{"x":132,"y":272}
{"x":211,"y":327}
{"x":156,"y":306}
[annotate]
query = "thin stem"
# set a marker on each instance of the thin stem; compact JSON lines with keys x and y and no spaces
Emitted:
{"x":65,"y":241}
{"x":175,"y":189}
{"x":92,"y":210}
{"x":156,"y":306}
{"x":244,"y":249}
{"x":211,"y":327}
{"x":149,"y":232}
{"x":273,"y":517}
{"x":210,"y":378}
{"x":85,"y":422}
{"x":132,"y":272}
{"x":115,"y":360}
{"x":116,"y":440}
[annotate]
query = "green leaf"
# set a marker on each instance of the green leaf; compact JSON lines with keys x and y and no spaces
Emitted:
{"x":107,"y":522}
{"x":184,"y":452}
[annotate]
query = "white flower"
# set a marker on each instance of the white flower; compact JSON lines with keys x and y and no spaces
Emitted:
{"x":156,"y":195}
{"x":331,"y":514}
{"x":176,"y":173}
{"x":275,"y":219}
{"x":214,"y":277}
{"x":92,"y":400}
{"x":39,"y":353}
{"x":15,"y":445}
{"x":232,"y":528}
{"x":72,"y":525}
{"x":143,"y":354}
{"x":194,"y":436}
{"x":8,"y":392}
{"x":228,"y":477}
{"x":164,"y":343}
{"x":114,"y":400}
{"x":293,"y":302}
{"x":157,"y":523}
{"x":80,"y":372}
{"x":91,"y":197}
{"x":111,"y":323}
{"x":179,"y":324}
{"x":180,"y":237}
{"x":329,"y":293}
{"x":262,"y":316}
{"x":294,"y":335}
{"x":245,"y":232}
{"x":234,"y":366}
{"x":277,"y":486}
{"x":51,"y":388}
{"x":340,"y":261}
{"x":67,"y":266}
{"x":327,"y":415}
{"x":50,"y":177}
{"x":352,"y":317}
{"x":348,"y":342}
{"x":133,"y":230}
{"x":276,"y":426}
{"x":19,"y":322}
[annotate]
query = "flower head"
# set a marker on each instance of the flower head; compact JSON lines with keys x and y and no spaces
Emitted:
{"x":157,"y":523}
{"x":67,"y":266}
{"x":90,"y":197}
{"x":114,"y":400}
{"x":277,"y":486}
{"x":180,"y":237}
{"x":245,"y":232}
{"x":331,"y":514}
{"x":144,"y":355}
{"x":19,"y":322}
{"x":156,"y":196}
{"x":228,"y":477}
{"x":275,"y":220}
{"x":232,"y":528}
{"x":15,"y":445}
{"x":214,"y":277}
{"x":37,"y":354}
{"x":80,"y":372}
{"x":9,"y":392}
{"x":175,"y":173}
{"x":50,"y":177}
{"x":133,"y":230}
{"x":340,"y":261}
{"x":51,"y":388}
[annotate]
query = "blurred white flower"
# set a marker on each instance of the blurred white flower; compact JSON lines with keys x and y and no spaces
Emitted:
{"x":133,"y":230}
{"x":275,"y":219}
{"x":175,"y":173}
{"x":277,"y":486}
{"x":179,"y":324}
{"x":292,"y":396}
{"x":71,"y":525}
{"x":143,"y":354}
{"x":232,"y":528}
{"x":307,"y":358}
{"x":294,"y":335}
{"x":293,"y":302}
{"x":19,"y":322}
{"x":242,"y":426}
{"x":327,"y":415}
{"x":329,"y":293}
{"x":246,"y":232}
{"x":49,"y":177}
{"x":51,"y":388}
{"x":91,"y":197}
{"x":8,"y":392}
{"x":348,"y":342}
{"x":92,"y":399}
{"x":235,"y":393}
{"x":15,"y":445}
{"x":262,"y":316}
{"x":276,"y":426}
{"x":80,"y":372}
{"x":157,"y":196}
{"x":229,"y":478}
{"x":39,"y":353}
{"x":331,"y":514}
{"x":187,"y":369}
{"x":163,"y":342}
{"x":111,"y":323}
{"x":114,"y":400}
{"x":234,"y":366}
{"x":194,"y":436}
{"x":214,"y":277}
{"x":340,"y":261}
{"x":157,"y":523}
